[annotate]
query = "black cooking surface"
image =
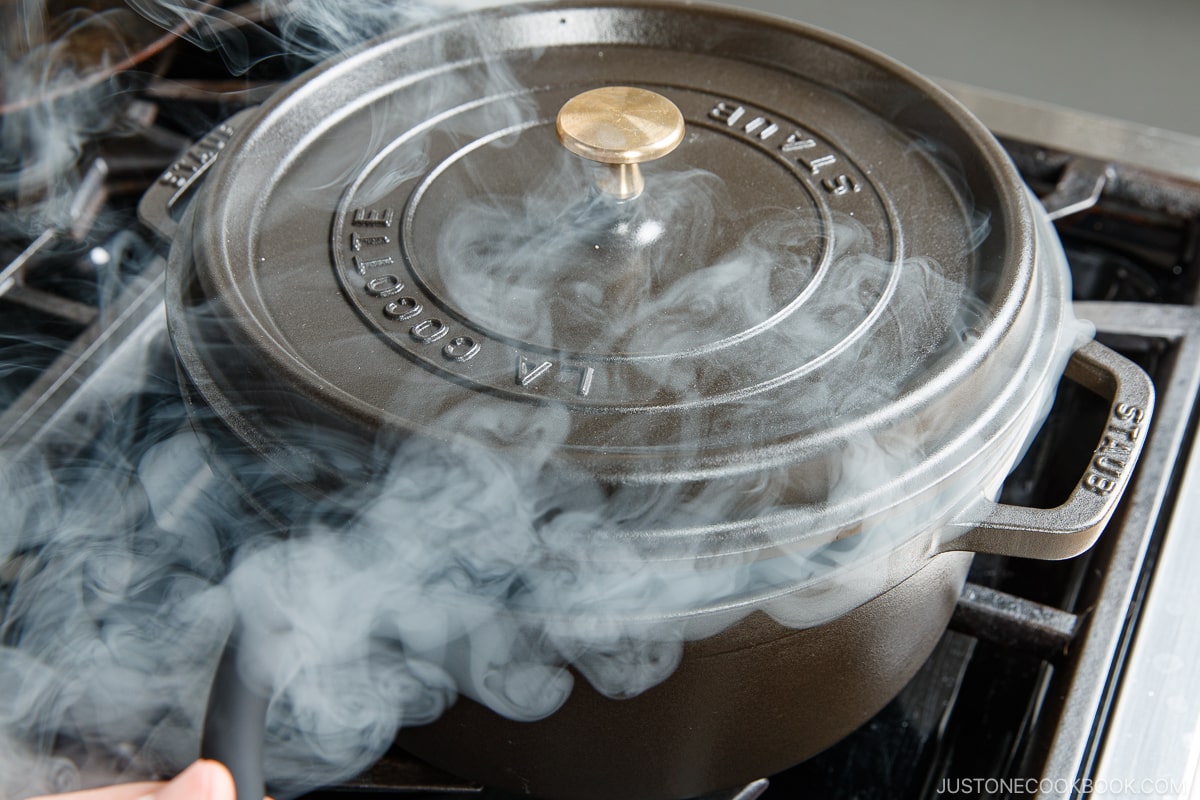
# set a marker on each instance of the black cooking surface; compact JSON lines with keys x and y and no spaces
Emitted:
{"x":987,"y":702}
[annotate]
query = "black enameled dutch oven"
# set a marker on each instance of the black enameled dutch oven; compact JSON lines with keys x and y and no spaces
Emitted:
{"x":782,"y":366}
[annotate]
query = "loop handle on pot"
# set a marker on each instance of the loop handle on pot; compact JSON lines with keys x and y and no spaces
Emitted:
{"x":160,"y":205}
{"x":1071,"y":528}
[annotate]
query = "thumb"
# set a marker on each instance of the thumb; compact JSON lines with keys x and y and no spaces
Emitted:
{"x":203,"y":780}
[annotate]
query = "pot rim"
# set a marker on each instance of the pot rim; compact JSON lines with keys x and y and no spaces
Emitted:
{"x":249,"y":324}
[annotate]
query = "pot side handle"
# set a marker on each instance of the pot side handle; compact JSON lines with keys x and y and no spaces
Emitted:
{"x":1071,"y":528}
{"x":160,"y":205}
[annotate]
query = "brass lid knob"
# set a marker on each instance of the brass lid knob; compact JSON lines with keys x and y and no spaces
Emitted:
{"x":620,"y":127}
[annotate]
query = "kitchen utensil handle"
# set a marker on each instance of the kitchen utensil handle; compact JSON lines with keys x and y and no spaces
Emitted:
{"x":160,"y":205}
{"x":1073,"y":527}
{"x":235,"y":726}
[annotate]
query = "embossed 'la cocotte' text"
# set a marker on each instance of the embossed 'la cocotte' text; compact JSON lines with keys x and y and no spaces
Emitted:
{"x":388,"y":286}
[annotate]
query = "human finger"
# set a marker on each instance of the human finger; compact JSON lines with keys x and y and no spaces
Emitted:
{"x":203,"y":780}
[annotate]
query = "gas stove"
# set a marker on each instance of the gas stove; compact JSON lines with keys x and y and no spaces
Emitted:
{"x":1054,"y":680}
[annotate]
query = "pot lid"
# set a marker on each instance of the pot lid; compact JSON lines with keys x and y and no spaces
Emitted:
{"x":830,"y":249}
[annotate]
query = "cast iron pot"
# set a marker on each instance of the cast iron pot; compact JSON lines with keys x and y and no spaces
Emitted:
{"x":835,"y":294}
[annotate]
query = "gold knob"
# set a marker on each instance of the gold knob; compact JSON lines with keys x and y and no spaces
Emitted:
{"x":620,"y":127}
